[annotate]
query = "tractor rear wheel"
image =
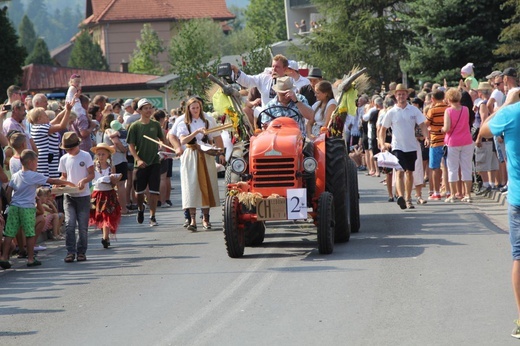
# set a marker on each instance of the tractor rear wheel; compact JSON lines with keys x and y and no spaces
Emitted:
{"x":352,"y":178}
{"x":336,"y":183}
{"x":255,"y":233}
{"x":326,"y":223}
{"x":233,"y":234}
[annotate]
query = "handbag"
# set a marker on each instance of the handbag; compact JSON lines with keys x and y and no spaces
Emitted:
{"x":445,"y":147}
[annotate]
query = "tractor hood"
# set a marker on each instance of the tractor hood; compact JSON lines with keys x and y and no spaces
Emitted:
{"x":281,"y":138}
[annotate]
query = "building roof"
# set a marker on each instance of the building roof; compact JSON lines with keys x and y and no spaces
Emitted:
{"x":46,"y":78}
{"x":99,"y":11}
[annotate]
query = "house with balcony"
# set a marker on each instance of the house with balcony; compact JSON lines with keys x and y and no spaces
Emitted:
{"x":295,"y":11}
{"x":116,"y":24}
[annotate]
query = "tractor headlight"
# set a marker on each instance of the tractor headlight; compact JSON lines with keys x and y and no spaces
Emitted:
{"x":309,"y":164}
{"x":238,"y":166}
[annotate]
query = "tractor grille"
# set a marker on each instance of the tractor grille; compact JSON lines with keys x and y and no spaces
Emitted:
{"x":274,"y":172}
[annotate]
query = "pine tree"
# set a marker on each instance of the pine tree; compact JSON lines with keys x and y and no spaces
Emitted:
{"x":508,"y":50}
{"x":40,"y":54}
{"x":145,"y":58}
{"x":27,"y":34}
{"x":364,"y":33}
{"x":87,"y":54}
{"x":445,"y":38}
{"x":12,"y":55}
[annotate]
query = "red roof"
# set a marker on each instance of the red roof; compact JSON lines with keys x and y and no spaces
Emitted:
{"x":41,"y":78}
{"x":154,"y":10}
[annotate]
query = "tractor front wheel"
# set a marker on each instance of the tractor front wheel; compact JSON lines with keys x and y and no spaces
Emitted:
{"x":233,"y":233}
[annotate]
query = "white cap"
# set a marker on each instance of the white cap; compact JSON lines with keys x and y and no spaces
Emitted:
{"x":127,"y":103}
{"x":293,"y":65}
{"x":142,"y":102}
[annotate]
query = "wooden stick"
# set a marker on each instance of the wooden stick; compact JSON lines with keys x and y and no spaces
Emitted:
{"x":162,"y":144}
{"x":219,"y":128}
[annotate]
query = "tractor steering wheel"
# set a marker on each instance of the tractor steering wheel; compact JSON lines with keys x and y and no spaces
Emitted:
{"x":279,"y":111}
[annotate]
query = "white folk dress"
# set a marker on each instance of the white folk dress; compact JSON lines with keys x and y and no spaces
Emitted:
{"x":199,"y":188}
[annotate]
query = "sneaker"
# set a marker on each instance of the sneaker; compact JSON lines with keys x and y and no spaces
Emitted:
{"x":153,"y":222}
{"x":5,"y":264}
{"x":140,"y":216}
{"x":40,"y":248}
{"x":435,"y":197}
{"x":503,"y":189}
{"x":165,"y":205}
{"x":401,"y":202}
{"x":483,"y":190}
{"x":186,"y":223}
{"x":169,"y":203}
{"x":516,"y":332}
{"x":450,"y":199}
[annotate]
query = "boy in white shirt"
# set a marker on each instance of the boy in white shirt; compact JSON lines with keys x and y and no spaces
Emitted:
{"x":76,"y":167}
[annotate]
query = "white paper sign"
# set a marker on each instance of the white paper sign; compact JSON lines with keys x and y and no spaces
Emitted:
{"x":296,"y":204}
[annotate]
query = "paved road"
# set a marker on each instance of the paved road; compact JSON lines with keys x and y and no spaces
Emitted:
{"x":438,"y":275}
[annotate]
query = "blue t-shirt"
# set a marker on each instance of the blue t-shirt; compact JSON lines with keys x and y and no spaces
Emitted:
{"x":507,"y":122}
{"x":24,"y":185}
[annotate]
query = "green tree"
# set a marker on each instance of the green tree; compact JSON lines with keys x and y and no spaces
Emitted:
{"x":87,"y":54}
{"x":239,"y":22}
{"x":40,"y":54}
{"x":268,"y":16}
{"x":12,"y":55}
{"x":27,"y":34}
{"x":364,"y":33}
{"x":508,"y":50}
{"x":257,"y":53}
{"x":145,"y":58}
{"x":193,"y":53}
{"x":449,"y":35}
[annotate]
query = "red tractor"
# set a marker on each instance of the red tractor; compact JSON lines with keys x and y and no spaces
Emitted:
{"x":281,"y":181}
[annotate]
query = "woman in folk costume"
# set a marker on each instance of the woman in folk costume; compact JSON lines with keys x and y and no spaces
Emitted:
{"x":198,"y":171}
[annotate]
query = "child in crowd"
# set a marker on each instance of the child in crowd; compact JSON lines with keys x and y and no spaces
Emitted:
{"x":105,"y":211}
{"x":74,"y":92}
{"x":53,"y":219}
{"x":76,"y":166}
{"x":18,"y":142}
{"x":469,"y":82}
{"x":22,"y":211}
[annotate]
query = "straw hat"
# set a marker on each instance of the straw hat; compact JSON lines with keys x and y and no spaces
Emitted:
{"x":69,"y":140}
{"x":484,"y":86}
{"x":102,"y":146}
{"x":401,"y":87}
{"x":283,"y":84}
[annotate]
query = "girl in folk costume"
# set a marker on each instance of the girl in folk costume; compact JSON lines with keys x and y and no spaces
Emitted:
{"x":105,"y":210}
{"x":198,"y":170}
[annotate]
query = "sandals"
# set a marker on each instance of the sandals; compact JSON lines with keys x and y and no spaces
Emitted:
{"x":192,"y":228}
{"x":105,"y":242}
{"x":70,"y":258}
{"x":186,"y":223}
{"x":5,"y":264}
{"x":409,"y":205}
{"x":34,"y":263}
{"x":205,"y":222}
{"x":421,"y":201}
{"x":466,"y":199}
{"x":82,"y":257}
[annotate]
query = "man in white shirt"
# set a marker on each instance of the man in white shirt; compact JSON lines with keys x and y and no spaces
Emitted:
{"x":497,"y":96}
{"x":402,"y":118}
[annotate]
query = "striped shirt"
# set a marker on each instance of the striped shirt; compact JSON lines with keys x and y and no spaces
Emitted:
{"x":48,"y":149}
{"x":435,"y":117}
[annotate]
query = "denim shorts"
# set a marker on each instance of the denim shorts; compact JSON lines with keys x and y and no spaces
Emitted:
{"x":514,"y":230}
{"x":436,"y":157}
